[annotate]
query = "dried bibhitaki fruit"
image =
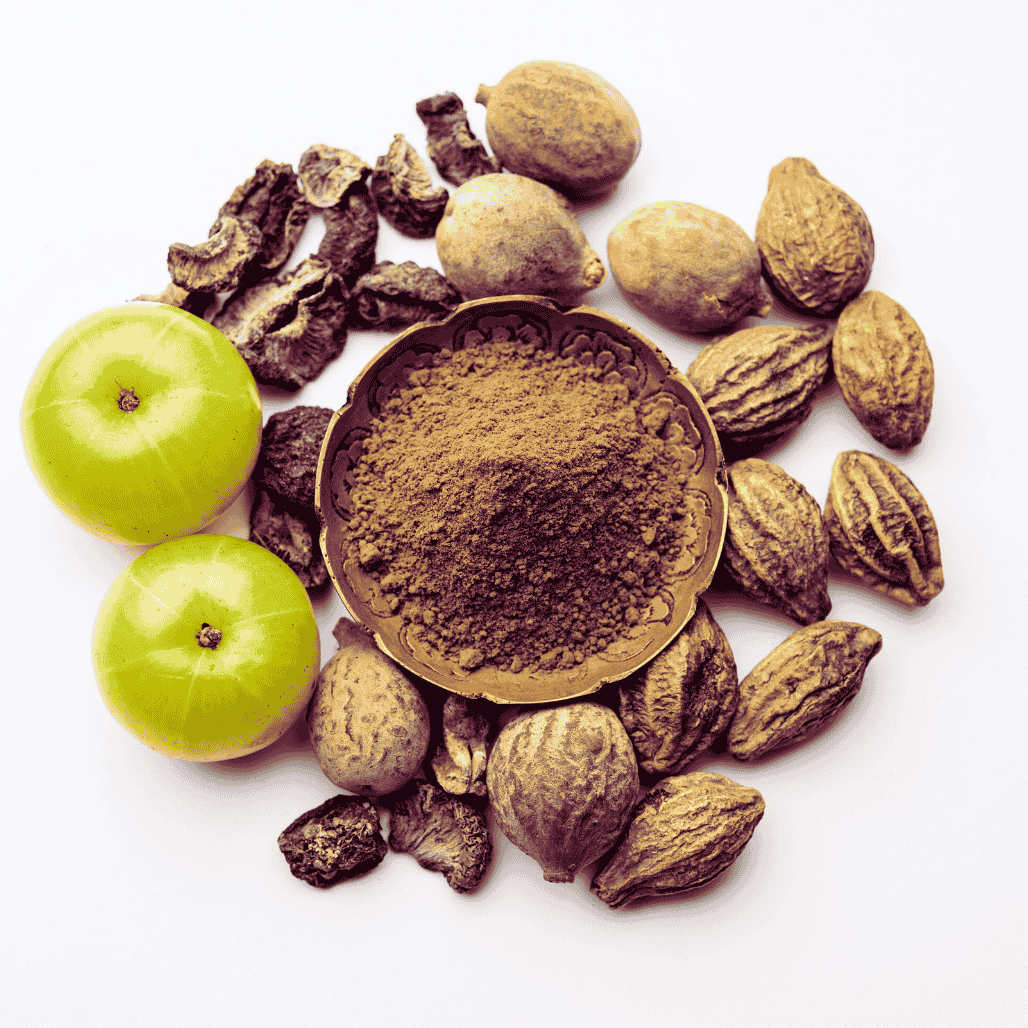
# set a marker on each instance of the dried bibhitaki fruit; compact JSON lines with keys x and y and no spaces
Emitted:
{"x":292,"y":534}
{"x":815,"y":242}
{"x":882,"y":530}
{"x":219,"y":263}
{"x":776,"y":545}
{"x":326,"y":173}
{"x":288,"y":329}
{"x":884,"y":369}
{"x":290,"y":448}
{"x":351,"y":234}
{"x":800,"y":686}
{"x":759,"y":383}
{"x":452,"y":145}
{"x":684,"y":833}
{"x":404,"y":193}
{"x":442,"y":833}
{"x":393,"y":296}
{"x":684,"y":698}
{"x":338,"y":840}
{"x":460,"y":762}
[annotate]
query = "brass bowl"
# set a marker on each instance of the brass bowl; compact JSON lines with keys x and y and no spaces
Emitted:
{"x":589,"y":334}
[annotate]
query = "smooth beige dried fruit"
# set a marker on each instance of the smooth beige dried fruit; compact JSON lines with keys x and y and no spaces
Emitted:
{"x":800,"y":685}
{"x":684,"y":833}
{"x":881,"y":529}
{"x":776,"y":546}
{"x":884,"y":369}
{"x":684,"y":698}
{"x":815,"y":241}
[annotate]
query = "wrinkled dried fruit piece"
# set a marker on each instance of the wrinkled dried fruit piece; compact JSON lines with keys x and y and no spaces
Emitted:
{"x":460,"y":762}
{"x":776,"y":546}
{"x":338,"y":840}
{"x":884,"y":369}
{"x":684,"y":833}
{"x":351,"y":234}
{"x":292,"y":534}
{"x":684,"y":698}
{"x":452,"y":145}
{"x":800,"y":685}
{"x":326,"y":173}
{"x":815,"y":242}
{"x":404,"y":192}
{"x":394,"y":296}
{"x":442,"y":833}
{"x":175,"y":296}
{"x":759,"y":383}
{"x":290,"y":448}
{"x":881,"y":529}
{"x":219,"y":263}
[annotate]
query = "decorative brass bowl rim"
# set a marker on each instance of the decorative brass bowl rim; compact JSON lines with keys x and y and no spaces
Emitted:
{"x":652,"y":381}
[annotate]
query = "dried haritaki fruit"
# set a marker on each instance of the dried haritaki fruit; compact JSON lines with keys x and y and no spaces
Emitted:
{"x":219,"y":263}
{"x":290,"y":448}
{"x":800,"y":686}
{"x":562,"y":783}
{"x":562,"y":125}
{"x":815,"y":242}
{"x":326,"y":173}
{"x":687,"y":267}
{"x":351,"y":234}
{"x":881,"y":529}
{"x":759,"y":383}
{"x":776,"y":546}
{"x":175,"y":296}
{"x":884,"y":369}
{"x":452,"y":145}
{"x":459,"y":763}
{"x":505,"y":234}
{"x":394,"y":296}
{"x":683,"y":699}
{"x":442,"y":833}
{"x":292,"y":533}
{"x":686,"y":830}
{"x":368,"y":723}
{"x":404,"y":192}
{"x":338,"y":840}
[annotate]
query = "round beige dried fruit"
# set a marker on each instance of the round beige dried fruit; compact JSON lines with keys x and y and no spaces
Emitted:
{"x":562,"y":782}
{"x":687,"y":267}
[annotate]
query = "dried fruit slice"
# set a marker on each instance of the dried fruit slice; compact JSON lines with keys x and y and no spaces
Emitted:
{"x":452,"y":145}
{"x":404,"y":193}
{"x":460,"y":762}
{"x":396,"y":296}
{"x":219,"y":263}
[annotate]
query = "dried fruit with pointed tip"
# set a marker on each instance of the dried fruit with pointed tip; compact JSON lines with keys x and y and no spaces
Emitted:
{"x":404,"y":193}
{"x":683,"y":699}
{"x":800,"y":686}
{"x":815,"y":242}
{"x":452,"y":145}
{"x":219,"y":263}
{"x":460,"y":762}
{"x":776,"y":546}
{"x":881,"y":529}
{"x":686,"y":830}
{"x":884,"y":369}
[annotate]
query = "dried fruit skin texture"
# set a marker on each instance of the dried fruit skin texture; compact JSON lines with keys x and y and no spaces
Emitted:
{"x":882,"y":530}
{"x":684,"y":833}
{"x":459,"y":763}
{"x":815,"y":242}
{"x":562,"y":783}
{"x":884,"y":369}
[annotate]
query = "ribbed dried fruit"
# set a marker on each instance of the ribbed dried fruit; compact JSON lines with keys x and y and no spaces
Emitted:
{"x":219,"y":263}
{"x":881,"y":529}
{"x":404,"y":192}
{"x":776,"y":546}
{"x":327,"y":172}
{"x":460,"y":762}
{"x":884,"y":369}
{"x":684,"y":698}
{"x":800,"y":685}
{"x":759,"y":383}
{"x":815,"y":242}
{"x":452,"y":145}
{"x":562,"y":783}
{"x":684,"y":833}
{"x":292,"y":533}
{"x":396,"y":296}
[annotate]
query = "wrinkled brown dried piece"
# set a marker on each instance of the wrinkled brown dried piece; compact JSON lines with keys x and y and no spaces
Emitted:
{"x":290,"y":448}
{"x":404,"y":193}
{"x":351,"y":234}
{"x":338,"y":840}
{"x":460,"y":762}
{"x":326,"y":173}
{"x":219,"y":263}
{"x":683,"y":699}
{"x":882,"y":530}
{"x":195,"y":303}
{"x":292,"y":533}
{"x":442,"y":833}
{"x":394,"y":296}
{"x":452,"y":145}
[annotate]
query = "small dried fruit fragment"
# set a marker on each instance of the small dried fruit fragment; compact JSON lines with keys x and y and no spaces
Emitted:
{"x":175,"y":296}
{"x":884,"y":369}
{"x":460,"y":762}
{"x":800,"y":685}
{"x":684,"y":833}
{"x":881,"y":529}
{"x":684,"y":698}
{"x":815,"y":242}
{"x":326,"y":173}
{"x":338,"y":840}
{"x":452,"y":145}
{"x":219,"y":263}
{"x":442,"y":833}
{"x":351,"y":234}
{"x":404,"y":193}
{"x":776,"y":546}
{"x":394,"y":296}
{"x":292,"y":533}
{"x":290,"y":448}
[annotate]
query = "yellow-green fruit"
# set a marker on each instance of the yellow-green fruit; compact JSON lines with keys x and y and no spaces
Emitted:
{"x":687,"y":267}
{"x":562,"y":125}
{"x":503,"y":234}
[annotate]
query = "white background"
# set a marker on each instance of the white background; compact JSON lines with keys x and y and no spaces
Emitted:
{"x":885,"y":885}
